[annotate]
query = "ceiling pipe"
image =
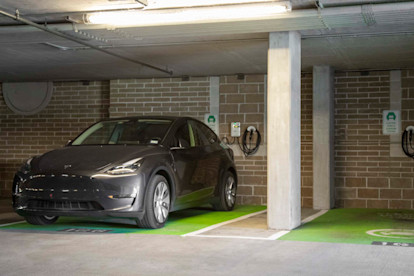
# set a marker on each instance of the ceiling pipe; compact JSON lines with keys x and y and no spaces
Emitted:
{"x":17,"y":17}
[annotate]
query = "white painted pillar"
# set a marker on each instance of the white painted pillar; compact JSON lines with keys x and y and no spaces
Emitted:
{"x":283,"y":128}
{"x":214,"y":95}
{"x":215,"y":102}
{"x":323,"y":137}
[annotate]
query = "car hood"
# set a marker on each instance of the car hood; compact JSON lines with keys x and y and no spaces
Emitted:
{"x":89,"y":159}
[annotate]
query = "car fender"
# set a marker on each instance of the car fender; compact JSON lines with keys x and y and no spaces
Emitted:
{"x":155,"y":168}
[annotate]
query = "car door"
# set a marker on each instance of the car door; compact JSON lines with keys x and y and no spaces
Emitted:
{"x":187,"y":155}
{"x":211,"y":154}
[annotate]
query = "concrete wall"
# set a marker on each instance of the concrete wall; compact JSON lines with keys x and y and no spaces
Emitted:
{"x":366,"y":175}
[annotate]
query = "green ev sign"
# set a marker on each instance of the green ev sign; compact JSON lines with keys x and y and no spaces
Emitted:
{"x":212,"y":120}
{"x":391,"y":116}
{"x":391,"y":122}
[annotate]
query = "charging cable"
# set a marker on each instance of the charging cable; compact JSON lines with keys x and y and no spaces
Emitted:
{"x":407,"y":142}
{"x":246,"y":145}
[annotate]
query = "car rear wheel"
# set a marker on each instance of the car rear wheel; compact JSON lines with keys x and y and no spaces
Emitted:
{"x":227,"y":193}
{"x":157,"y":204}
{"x":41,"y":220}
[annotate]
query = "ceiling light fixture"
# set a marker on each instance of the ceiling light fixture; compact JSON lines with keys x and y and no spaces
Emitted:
{"x":143,"y":2}
{"x":214,"y":14}
{"x":168,"y":4}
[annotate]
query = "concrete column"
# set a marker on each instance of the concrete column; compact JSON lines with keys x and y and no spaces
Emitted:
{"x":323,"y":137}
{"x":283,"y":128}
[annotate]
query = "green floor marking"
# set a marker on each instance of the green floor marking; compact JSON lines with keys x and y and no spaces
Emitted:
{"x":179,"y":223}
{"x":352,"y":225}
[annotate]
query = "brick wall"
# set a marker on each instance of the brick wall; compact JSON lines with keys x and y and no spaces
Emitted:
{"x":70,"y":107}
{"x":73,"y":107}
{"x":366,"y":175}
{"x":167,"y":96}
{"x":242,"y":100}
{"x":307,"y":140}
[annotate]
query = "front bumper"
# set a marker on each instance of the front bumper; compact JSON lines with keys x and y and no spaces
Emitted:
{"x":75,"y":195}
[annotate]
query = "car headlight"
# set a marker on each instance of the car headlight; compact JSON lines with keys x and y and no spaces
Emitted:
{"x":128,"y":167}
{"x":27,"y":166}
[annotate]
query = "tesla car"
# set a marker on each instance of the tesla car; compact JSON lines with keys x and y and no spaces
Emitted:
{"x":135,"y":167}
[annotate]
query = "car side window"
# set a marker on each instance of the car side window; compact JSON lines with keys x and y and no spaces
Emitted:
{"x":208,"y":133}
{"x":182,"y":137}
{"x":199,"y":137}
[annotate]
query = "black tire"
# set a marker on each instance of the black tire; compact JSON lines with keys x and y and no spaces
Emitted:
{"x":41,"y":220}
{"x":157,"y":203}
{"x":227,"y":193}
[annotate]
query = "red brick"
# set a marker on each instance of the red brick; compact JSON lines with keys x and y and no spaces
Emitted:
{"x":251,"y":200}
{"x":390,"y":193}
{"x":355,"y":182}
{"x":379,"y":204}
{"x":229,"y":88}
{"x":400,"y":204}
{"x":378,"y":182}
{"x":306,"y":192}
{"x":248,"y":108}
{"x":355,"y":203}
{"x":408,"y":194}
{"x":307,"y":202}
{"x":346,"y":193}
{"x":368,"y":193}
{"x":244,"y":190}
{"x":260,"y":190}
{"x":401,"y":183}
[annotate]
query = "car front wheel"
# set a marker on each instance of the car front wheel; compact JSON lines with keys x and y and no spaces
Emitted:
{"x":41,"y":220}
{"x":157,"y":204}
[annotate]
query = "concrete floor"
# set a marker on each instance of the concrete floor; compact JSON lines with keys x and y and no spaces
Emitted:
{"x":40,"y":253}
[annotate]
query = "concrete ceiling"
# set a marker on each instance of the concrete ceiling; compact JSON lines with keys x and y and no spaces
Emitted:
{"x":28,"y":54}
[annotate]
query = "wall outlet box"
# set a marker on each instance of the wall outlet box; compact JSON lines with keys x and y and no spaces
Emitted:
{"x":235,"y":129}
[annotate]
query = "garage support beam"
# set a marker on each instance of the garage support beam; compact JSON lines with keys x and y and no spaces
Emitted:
{"x":323,"y":137}
{"x":283,"y":126}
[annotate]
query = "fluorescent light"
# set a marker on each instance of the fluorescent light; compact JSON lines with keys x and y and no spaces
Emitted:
{"x":223,"y":13}
{"x":165,"y":4}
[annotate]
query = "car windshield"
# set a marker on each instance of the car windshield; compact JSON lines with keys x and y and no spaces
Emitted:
{"x":124,"y":132}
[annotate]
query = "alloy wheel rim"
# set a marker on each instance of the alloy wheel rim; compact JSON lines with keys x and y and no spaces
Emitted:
{"x":230,"y":191}
{"x":161,"y":202}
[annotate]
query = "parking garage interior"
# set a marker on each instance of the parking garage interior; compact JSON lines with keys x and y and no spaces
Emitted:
{"x":318,"y":79}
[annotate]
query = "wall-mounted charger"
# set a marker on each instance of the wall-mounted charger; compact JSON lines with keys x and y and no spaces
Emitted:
{"x":235,"y":129}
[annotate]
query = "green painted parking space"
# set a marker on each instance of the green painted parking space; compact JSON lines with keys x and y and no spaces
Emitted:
{"x":179,"y":223}
{"x":359,"y":226}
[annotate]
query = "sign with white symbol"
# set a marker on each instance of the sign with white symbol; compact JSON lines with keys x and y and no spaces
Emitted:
{"x":392,"y":233}
{"x":391,"y":122}
{"x":212,"y":121}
